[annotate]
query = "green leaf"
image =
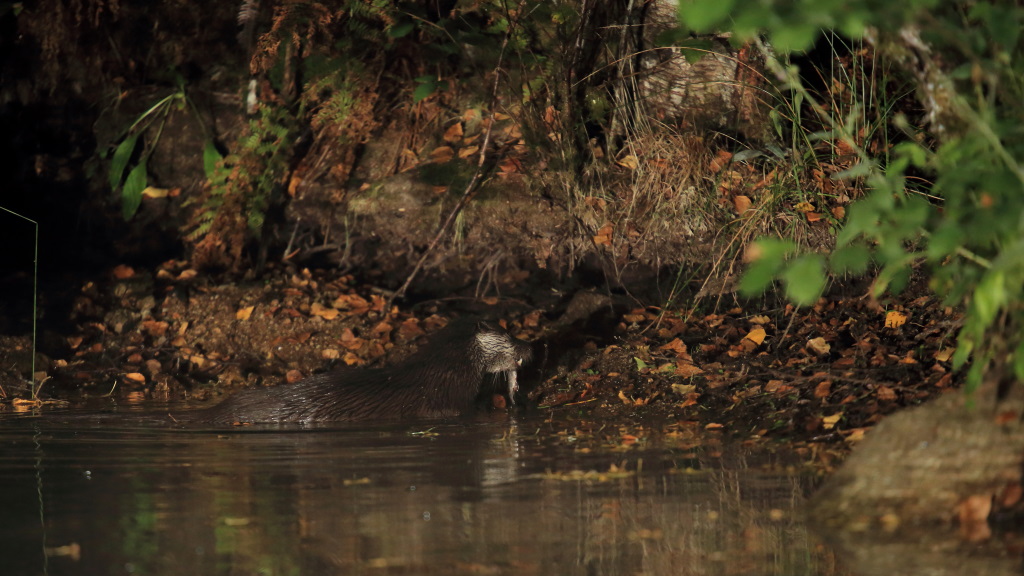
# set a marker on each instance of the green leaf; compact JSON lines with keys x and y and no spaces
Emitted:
{"x":424,"y":90}
{"x":989,"y":297}
{"x":795,"y":37}
{"x":211,"y":156}
{"x":119,"y":162}
{"x":401,"y":30}
{"x":850,"y":259}
{"x":944,"y":242}
{"x":805,"y":279}
{"x":640,"y":364}
{"x":770,"y":256}
{"x":131,"y":194}
{"x":703,"y":15}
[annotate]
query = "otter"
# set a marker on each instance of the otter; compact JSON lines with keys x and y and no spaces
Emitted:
{"x":441,"y":380}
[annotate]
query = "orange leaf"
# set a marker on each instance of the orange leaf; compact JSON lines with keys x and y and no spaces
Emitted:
{"x":318,"y":309}
{"x":741,"y":203}
{"x":829,"y":422}
{"x":823,"y":389}
{"x":688,"y":370}
{"x":894,"y":319}
{"x":453,"y":133}
{"x":244,"y":313}
{"x":442,"y":154}
{"x":629,"y":161}
{"x":722,"y":157}
{"x":756,"y":335}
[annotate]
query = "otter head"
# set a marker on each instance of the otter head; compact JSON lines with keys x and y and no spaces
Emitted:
{"x":497,"y":351}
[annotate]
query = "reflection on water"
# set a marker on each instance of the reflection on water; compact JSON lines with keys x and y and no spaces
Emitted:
{"x":476,"y":497}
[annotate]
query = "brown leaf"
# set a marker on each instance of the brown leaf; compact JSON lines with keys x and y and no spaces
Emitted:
{"x":829,"y":422}
{"x":244,"y":313}
{"x":823,"y":389}
{"x":686,"y":370}
{"x":741,"y":203}
{"x":895,"y":319}
{"x":442,"y":154}
{"x":123,"y":272}
{"x":318,"y":309}
{"x":818,"y":346}
{"x":721,"y":159}
{"x":973,"y":514}
{"x":756,"y":336}
{"x":885,"y":394}
{"x":454,"y":133}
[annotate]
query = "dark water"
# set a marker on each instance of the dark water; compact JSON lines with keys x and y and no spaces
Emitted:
{"x":478,"y":497}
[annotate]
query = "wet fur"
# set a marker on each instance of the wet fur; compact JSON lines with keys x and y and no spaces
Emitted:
{"x":441,"y":380}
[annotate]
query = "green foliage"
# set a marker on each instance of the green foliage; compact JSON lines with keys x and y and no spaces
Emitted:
{"x":154,"y":118}
{"x":241,"y":184}
{"x":961,"y":216}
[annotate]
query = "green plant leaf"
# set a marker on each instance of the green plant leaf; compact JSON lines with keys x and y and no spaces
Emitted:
{"x":850,"y":259}
{"x":795,"y":37}
{"x":211,"y":156}
{"x":704,"y":15}
{"x":131,"y":194}
{"x":805,"y":279}
{"x":424,"y":90}
{"x":989,"y":296}
{"x":770,"y":256}
{"x":401,"y":30}
{"x":119,"y":162}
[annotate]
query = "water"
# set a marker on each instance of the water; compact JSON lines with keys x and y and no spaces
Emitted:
{"x":479,"y":497}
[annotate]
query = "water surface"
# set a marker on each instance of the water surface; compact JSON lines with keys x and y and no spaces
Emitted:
{"x":482,"y":496}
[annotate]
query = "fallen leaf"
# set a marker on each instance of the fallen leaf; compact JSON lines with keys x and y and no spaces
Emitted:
{"x":153,"y":192}
{"x":136,"y":377}
{"x":945,"y":354}
{"x":823,"y":389}
{"x":318,"y":309}
{"x":818,"y":346}
{"x":244,"y":313}
{"x":885,"y":393}
{"x":804,"y":207}
{"x":686,"y":370}
{"x":829,"y":422}
{"x":973,"y":513}
{"x":453,"y":133}
{"x":722,"y":157}
{"x":442,"y":154}
{"x":895,"y":319}
{"x":756,"y":336}
{"x":684,"y":389}
{"x":741,"y":203}
{"x":629,"y":161}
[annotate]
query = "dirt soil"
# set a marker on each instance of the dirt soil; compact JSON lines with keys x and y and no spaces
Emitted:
{"x":751,"y":370}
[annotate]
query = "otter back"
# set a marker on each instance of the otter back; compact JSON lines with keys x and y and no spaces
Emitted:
{"x":441,"y":380}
